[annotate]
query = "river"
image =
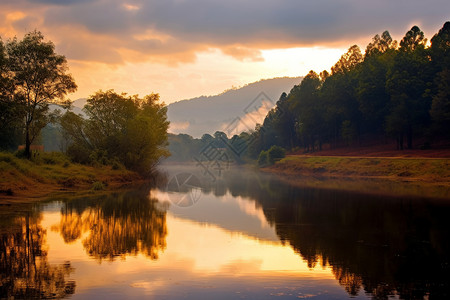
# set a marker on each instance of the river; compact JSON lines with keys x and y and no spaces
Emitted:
{"x":240,"y":235}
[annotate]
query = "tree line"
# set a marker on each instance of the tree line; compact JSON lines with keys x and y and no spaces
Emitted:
{"x":393,"y":90}
{"x":119,"y":130}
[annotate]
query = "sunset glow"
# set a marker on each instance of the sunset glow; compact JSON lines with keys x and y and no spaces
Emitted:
{"x":183,"y":50}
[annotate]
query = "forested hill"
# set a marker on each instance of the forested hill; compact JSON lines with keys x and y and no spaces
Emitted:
{"x":209,"y":114}
{"x":394,"y":91}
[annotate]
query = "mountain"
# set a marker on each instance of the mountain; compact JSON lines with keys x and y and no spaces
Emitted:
{"x":77,"y":107}
{"x":79,"y":102}
{"x":232,"y":111}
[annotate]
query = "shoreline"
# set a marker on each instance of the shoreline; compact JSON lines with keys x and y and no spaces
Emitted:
{"x":424,"y":169}
{"x":400,"y":176}
{"x":24,"y":181}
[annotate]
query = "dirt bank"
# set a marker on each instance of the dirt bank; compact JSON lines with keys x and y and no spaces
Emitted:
{"x":22,"y":180}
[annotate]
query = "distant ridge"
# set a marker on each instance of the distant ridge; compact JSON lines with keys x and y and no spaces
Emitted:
{"x":232,"y":111}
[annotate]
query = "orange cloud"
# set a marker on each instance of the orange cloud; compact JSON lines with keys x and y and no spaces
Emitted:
{"x":243,"y":53}
{"x":173,"y":31}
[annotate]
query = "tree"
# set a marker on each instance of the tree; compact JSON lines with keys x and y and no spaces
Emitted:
{"x":119,"y":127}
{"x":284,"y":122}
{"x":440,"y":47}
{"x":440,"y":108}
{"x":413,"y":39}
{"x":406,"y":84}
{"x":39,"y":77}
{"x":340,"y":96}
{"x":440,"y":59}
{"x":10,"y":111}
{"x":145,"y":140}
{"x":371,"y":87}
{"x":348,"y":61}
{"x":306,"y":105}
{"x":381,"y":44}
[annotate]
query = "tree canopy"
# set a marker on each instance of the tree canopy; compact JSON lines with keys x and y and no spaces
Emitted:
{"x":118,"y":129}
{"x":393,"y":90}
{"x":32,"y":77}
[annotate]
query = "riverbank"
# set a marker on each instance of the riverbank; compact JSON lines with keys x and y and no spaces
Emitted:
{"x":23,"y":180}
{"x":427,"y":177}
{"x":395,"y":168}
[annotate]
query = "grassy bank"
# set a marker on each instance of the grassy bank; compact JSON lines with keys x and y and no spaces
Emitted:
{"x":50,"y":173}
{"x":423,"y":177}
{"x":405,"y":169}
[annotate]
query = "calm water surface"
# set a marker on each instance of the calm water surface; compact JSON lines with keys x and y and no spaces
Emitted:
{"x":245,"y":235}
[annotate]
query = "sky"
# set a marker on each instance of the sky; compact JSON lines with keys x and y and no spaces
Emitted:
{"x":187,"y":48}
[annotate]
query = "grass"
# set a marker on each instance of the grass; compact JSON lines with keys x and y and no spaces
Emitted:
{"x":50,"y":172}
{"x":425,"y":169}
{"x":418,"y":177}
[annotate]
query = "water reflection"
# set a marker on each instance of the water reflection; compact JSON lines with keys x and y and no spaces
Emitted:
{"x":248,"y":235}
{"x":377,"y":244}
{"x":25,"y":272}
{"x":116,"y":225}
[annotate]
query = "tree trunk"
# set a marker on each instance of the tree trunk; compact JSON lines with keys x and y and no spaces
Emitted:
{"x":409,"y":137}
{"x":27,"y":142}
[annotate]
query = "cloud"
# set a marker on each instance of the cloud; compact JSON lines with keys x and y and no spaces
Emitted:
{"x":175,"y":31}
{"x":178,"y":127}
{"x":243,"y":53}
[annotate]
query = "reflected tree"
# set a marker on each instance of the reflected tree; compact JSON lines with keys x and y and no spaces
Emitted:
{"x":117,"y":225}
{"x":24,"y":269}
{"x":377,"y":244}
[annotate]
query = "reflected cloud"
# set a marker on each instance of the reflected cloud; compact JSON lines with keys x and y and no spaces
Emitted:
{"x":326,"y":243}
{"x":376,"y":244}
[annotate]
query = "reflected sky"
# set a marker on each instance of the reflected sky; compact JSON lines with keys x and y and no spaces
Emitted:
{"x":202,"y":259}
{"x":248,"y":236}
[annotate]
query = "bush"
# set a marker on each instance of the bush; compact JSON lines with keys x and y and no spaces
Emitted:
{"x":53,"y":158}
{"x":99,"y":157}
{"x":116,"y":165}
{"x":6,"y":157}
{"x":78,"y":154}
{"x":263,"y":159}
{"x":269,"y":157}
{"x":20,"y":154}
{"x":276,"y":153}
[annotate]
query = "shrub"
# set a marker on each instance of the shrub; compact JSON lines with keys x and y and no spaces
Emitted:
{"x":6,"y":157}
{"x":263,"y":159}
{"x":276,"y":153}
{"x":116,"y":165}
{"x":78,"y":154}
{"x":99,"y":157}
{"x":53,"y":158}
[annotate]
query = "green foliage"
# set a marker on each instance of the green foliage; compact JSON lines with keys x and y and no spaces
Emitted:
{"x":120,"y":130}
{"x":399,"y":91}
{"x":263,"y":159}
{"x":276,"y":153}
{"x":269,"y":157}
{"x":440,"y":109}
{"x":32,"y":76}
